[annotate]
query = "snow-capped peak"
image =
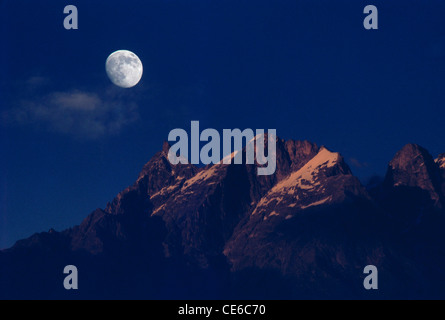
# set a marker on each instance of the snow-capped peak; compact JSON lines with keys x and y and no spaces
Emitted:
{"x":441,"y":161}
{"x":305,"y":184}
{"x":306,"y":175}
{"x":229,"y":158}
{"x":325,"y":157}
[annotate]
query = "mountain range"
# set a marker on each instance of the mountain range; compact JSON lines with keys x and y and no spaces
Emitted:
{"x":223,"y":232}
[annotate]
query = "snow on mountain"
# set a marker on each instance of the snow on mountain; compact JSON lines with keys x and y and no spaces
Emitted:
{"x":219,"y":196}
{"x":315,"y":184}
{"x":229,"y":158}
{"x":318,"y":203}
{"x":306,"y":177}
{"x":441,"y":161}
{"x":318,"y":197}
{"x":311,"y":221}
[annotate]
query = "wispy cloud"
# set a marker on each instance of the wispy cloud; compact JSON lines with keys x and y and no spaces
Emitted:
{"x":79,"y":114}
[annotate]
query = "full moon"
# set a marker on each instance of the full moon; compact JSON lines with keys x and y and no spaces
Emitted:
{"x":124,"y":68}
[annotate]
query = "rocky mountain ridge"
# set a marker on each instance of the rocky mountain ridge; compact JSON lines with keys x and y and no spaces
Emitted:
{"x":306,"y":231}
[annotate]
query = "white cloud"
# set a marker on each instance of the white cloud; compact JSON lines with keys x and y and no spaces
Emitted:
{"x":79,"y":114}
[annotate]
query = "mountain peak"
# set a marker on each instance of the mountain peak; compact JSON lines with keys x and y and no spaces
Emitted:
{"x":300,"y":152}
{"x":414,"y":167}
{"x":441,"y":161}
{"x":311,"y":215}
{"x":409,"y":154}
{"x":325,"y":156}
{"x":318,"y":182}
{"x":323,"y":162}
{"x":166,"y":147}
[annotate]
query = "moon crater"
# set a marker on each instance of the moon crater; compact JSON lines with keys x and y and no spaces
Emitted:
{"x":124,"y":68}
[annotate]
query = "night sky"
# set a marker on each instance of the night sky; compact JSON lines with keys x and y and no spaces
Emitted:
{"x":71,"y":140}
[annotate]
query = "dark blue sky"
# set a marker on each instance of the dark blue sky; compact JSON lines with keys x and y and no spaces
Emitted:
{"x":306,"y":68}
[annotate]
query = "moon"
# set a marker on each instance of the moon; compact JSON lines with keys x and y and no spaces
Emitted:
{"x":124,"y":68}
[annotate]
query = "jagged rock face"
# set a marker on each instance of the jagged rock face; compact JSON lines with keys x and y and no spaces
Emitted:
{"x":300,"y":152}
{"x":440,"y":161}
{"x":203,"y":213}
{"x":155,"y":176}
{"x":88,"y":235}
{"x":323,"y":182}
{"x":310,"y":226}
{"x":325,"y":179}
{"x":411,"y":192}
{"x":130,"y":211}
{"x":414,"y":167}
{"x":200,"y":207}
{"x":291,"y":156}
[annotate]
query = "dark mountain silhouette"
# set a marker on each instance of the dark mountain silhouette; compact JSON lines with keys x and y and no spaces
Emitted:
{"x":441,"y":163}
{"x":308,"y":231}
